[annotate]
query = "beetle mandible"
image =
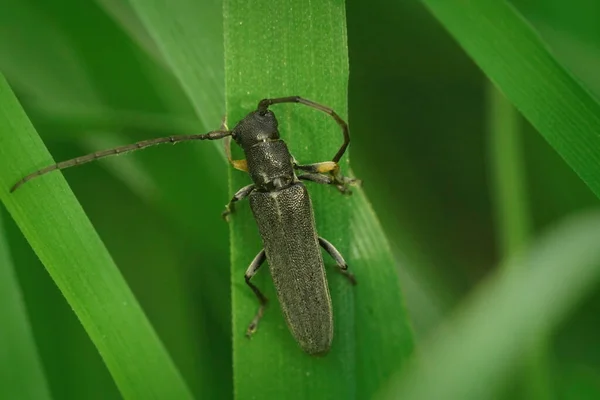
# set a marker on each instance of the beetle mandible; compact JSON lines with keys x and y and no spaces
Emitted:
{"x":283,"y":212}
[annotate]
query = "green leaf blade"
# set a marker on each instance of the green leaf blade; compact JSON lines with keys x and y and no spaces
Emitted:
{"x":384,"y":331}
{"x":21,"y":373}
{"x":63,"y":238}
{"x":192,"y":48}
{"x":291,"y":62}
{"x":300,"y":48}
{"x":516,"y":60}
{"x":189,"y":38}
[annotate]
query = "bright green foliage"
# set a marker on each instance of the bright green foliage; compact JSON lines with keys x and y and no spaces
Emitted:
{"x":514,"y":57}
{"x":63,"y":238}
{"x":453,"y":204}
{"x":371,"y":329}
{"x":21,"y":374}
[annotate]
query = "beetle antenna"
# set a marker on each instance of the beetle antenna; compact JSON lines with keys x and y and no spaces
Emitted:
{"x":214,"y":135}
{"x":264,"y":104}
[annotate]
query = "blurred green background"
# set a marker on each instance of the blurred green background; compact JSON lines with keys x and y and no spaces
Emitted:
{"x":419,"y":112}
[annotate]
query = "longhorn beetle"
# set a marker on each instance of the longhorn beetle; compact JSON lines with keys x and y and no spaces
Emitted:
{"x":283,"y":212}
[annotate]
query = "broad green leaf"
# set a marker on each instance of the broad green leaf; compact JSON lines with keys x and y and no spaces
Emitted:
{"x":63,"y":238}
{"x":123,"y":13}
{"x":59,"y":72}
{"x":516,"y":60}
{"x":188,"y":36}
{"x":21,"y":371}
{"x":300,"y":48}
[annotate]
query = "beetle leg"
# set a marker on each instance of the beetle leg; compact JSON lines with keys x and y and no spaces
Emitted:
{"x":318,"y":178}
{"x":337,"y":256}
{"x":332,"y":168}
{"x":239,"y":195}
{"x":252,"y":269}
{"x":330,"y":173}
{"x":325,"y":180}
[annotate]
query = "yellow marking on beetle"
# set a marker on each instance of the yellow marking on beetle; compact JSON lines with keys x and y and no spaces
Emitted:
{"x":327,"y":166}
{"x":242,"y":165}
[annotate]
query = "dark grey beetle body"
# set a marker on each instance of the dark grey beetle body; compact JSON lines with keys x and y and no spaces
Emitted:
{"x":283,"y":211}
{"x":287,"y":227}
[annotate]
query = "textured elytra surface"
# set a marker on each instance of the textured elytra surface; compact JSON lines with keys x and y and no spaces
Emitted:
{"x":286,"y":224}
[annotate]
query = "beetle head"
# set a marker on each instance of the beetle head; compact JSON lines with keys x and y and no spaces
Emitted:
{"x":258,"y":126}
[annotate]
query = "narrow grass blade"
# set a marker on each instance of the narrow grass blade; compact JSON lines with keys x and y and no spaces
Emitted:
{"x":300,"y":48}
{"x":185,"y":320}
{"x":122,"y":12}
{"x":192,"y":47}
{"x":66,"y":243}
{"x":21,"y":371}
{"x":477,"y":350}
{"x":513,"y":219}
{"x":516,"y":60}
{"x":383,"y":329}
{"x":189,"y":37}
